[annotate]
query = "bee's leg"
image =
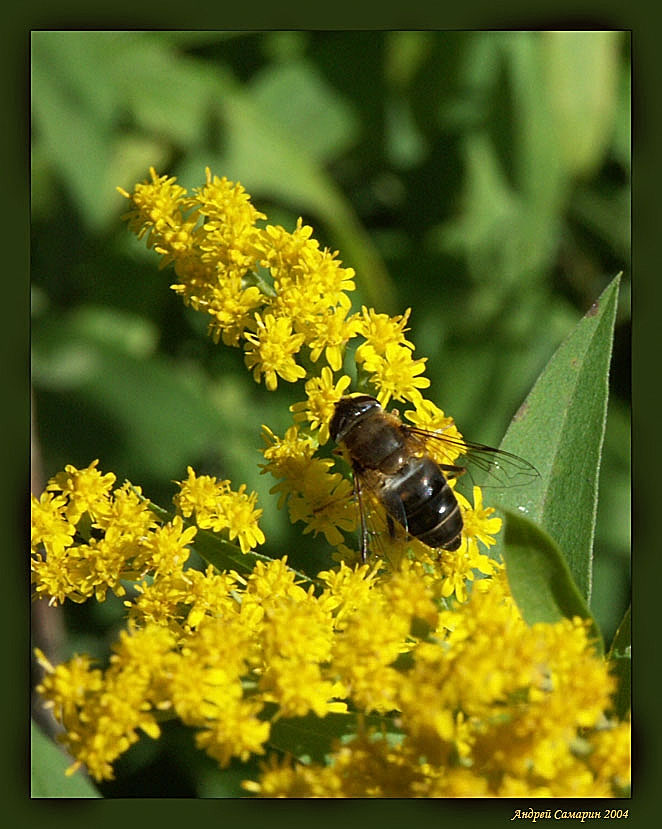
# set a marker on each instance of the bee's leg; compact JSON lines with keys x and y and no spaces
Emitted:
{"x":452,"y":471}
{"x":390,"y":523}
{"x":364,"y":526}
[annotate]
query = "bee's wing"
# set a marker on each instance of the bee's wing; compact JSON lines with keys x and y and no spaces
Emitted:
{"x":375,"y":523}
{"x":501,"y":468}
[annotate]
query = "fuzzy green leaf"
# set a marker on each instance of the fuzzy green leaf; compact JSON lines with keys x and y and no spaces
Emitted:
{"x":560,"y":429}
{"x":313,"y":737}
{"x":539,"y":577}
{"x":49,"y":764}
{"x":620,"y":658}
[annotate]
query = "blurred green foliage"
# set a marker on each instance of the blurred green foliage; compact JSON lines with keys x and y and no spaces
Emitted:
{"x":480,"y":178}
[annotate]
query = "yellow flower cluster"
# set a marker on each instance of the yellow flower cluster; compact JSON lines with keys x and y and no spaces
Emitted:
{"x":480,"y":703}
{"x":286,"y":302}
{"x":218,"y":508}
{"x":271,"y":291}
{"x":267,"y":289}
{"x":487,"y":707}
{"x":87,"y":538}
{"x":434,"y":684}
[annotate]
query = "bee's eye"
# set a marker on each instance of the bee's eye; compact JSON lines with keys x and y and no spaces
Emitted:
{"x":348,"y":411}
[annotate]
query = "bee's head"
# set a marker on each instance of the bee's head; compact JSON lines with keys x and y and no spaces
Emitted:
{"x":348,"y":411}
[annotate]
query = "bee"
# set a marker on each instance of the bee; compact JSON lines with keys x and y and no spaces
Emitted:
{"x":392,"y":463}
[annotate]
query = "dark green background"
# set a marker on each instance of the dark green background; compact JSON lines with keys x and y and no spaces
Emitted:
{"x":480,"y":178}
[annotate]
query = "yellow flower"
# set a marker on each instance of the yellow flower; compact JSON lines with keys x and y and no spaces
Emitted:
{"x":238,"y":733}
{"x":321,"y":500}
{"x":610,"y":754}
{"x":313,"y":494}
{"x":350,"y":588}
{"x":156,"y":211}
{"x":103,"y":714}
{"x":231,"y":306}
{"x":487,"y":707}
{"x":288,"y":456}
{"x":307,"y":281}
{"x":479,"y":522}
{"x":182,"y":599}
{"x":49,"y":526}
{"x":368,"y":641}
{"x":322,"y":397}
{"x":204,"y":675}
{"x":380,"y":331}
{"x":65,"y":687}
{"x":271,"y":349}
{"x":199,"y":494}
{"x":473,"y":686}
{"x":229,"y":223}
{"x":409,"y":593}
{"x":297,"y":637}
{"x":367,"y":766}
{"x":213,"y":247}
{"x":219,"y":509}
{"x":130,"y":543}
{"x":86,"y":490}
{"x":166,"y":549}
{"x":240,"y":517}
{"x":395,"y":374}
{"x":127,"y":513}
{"x":329,"y":333}
{"x":224,"y":262}
{"x":270,"y":582}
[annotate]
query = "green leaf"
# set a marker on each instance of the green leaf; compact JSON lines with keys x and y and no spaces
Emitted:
{"x":222,"y":554}
{"x":539,"y":577}
{"x":560,"y":429}
{"x":49,"y":764}
{"x":87,"y":107}
{"x":620,"y":657}
{"x":76,"y":112}
{"x":296,"y":97}
{"x":225,"y":555}
{"x":581,"y":71}
{"x":154,"y":411}
{"x":271,"y":159}
{"x":312,"y":737}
